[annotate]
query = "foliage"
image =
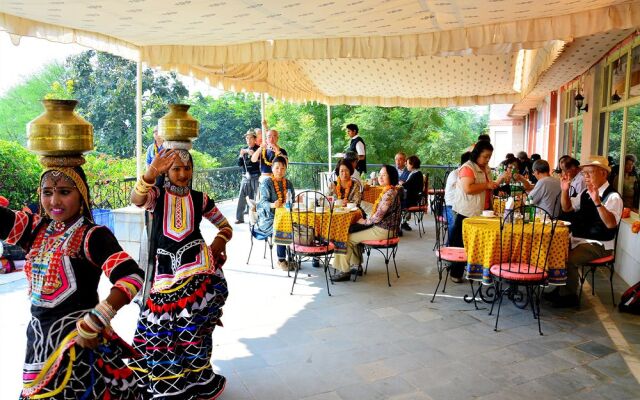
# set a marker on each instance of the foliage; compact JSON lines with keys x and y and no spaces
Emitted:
{"x":101,"y":166}
{"x":19,"y":174}
{"x":61,"y":91}
{"x":21,"y":103}
{"x":105,"y":86}
{"x":223,"y":123}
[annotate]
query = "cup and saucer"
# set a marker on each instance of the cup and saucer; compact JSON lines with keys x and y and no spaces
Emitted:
{"x":488,"y":214}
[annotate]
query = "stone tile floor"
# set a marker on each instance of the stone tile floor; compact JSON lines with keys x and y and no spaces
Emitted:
{"x":370,"y":341}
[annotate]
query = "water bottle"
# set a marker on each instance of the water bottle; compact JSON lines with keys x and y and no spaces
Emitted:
{"x":532,"y":209}
{"x":526,"y":218}
{"x":287,"y":203}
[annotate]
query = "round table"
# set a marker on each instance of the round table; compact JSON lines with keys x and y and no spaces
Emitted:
{"x":341,"y":220}
{"x":481,"y":237}
{"x":371,"y":193}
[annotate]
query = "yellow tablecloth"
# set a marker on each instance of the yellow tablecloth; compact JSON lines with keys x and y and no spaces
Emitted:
{"x":371,"y":193}
{"x":340,"y":222}
{"x":498,"y":205}
{"x":481,"y":238}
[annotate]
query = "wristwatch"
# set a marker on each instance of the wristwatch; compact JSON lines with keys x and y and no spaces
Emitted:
{"x":598,"y":205}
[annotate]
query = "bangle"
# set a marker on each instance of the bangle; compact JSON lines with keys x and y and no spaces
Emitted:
{"x":144,"y":183}
{"x":92,"y":324}
{"x":84,"y":333}
{"x":598,"y":205}
{"x":154,"y":168}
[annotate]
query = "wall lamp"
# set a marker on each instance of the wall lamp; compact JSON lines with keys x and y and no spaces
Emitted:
{"x":579,"y":101}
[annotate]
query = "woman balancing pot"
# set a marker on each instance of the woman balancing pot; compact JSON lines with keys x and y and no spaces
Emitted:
{"x":188,"y":287}
{"x":71,"y":350}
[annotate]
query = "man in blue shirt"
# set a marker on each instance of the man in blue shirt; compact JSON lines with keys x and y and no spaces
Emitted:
{"x":401,"y":166}
{"x":155,"y":147}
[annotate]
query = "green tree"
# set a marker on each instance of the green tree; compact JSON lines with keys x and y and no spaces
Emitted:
{"x":105,"y":86}
{"x":223,"y":123}
{"x":22,"y":103}
{"x":19,"y":174}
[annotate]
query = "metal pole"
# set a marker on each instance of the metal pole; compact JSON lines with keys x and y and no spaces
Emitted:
{"x":139,"y":158}
{"x":329,"y":137}
{"x":263,"y":106}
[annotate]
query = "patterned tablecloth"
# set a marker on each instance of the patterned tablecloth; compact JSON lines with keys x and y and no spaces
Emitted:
{"x":371,"y":193}
{"x":481,"y":238}
{"x":499,"y":203}
{"x":340,"y":222}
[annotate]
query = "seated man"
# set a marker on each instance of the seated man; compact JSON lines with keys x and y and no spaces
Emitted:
{"x":597,"y":212}
{"x":546,"y":193}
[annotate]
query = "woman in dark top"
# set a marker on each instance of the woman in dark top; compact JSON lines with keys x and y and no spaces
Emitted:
{"x":414,"y":185}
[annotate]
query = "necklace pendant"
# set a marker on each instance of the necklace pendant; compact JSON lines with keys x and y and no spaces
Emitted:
{"x":59,"y":226}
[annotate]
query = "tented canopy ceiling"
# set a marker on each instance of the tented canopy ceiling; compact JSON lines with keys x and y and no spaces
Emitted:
{"x":378,"y":52}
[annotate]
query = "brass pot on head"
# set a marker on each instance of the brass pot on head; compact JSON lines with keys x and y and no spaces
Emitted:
{"x":178,"y":125}
{"x":59,"y":131}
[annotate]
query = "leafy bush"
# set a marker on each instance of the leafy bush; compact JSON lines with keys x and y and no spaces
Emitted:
{"x":19,"y":174}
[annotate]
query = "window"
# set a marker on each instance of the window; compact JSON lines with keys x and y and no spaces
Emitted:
{"x":620,"y":120}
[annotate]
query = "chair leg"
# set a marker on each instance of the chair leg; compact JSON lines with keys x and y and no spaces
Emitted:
{"x":499,"y":293}
{"x":611,"y":271}
{"x":440,"y":270}
{"x":366,"y":267}
{"x":271,"y":253}
{"x":495,"y":293}
{"x":250,"y":249}
{"x":264,"y":252}
{"x":448,"y":268}
{"x":395,"y":250}
{"x":593,"y":281}
{"x":581,"y":279}
{"x":296,"y":260}
{"x":327,"y":275}
{"x":473,"y":293}
{"x":536,"y":295}
{"x":386,"y":263}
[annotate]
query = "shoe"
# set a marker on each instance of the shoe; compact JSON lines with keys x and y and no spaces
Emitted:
{"x":406,"y":227}
{"x":565,"y":301}
{"x":238,"y":221}
{"x":400,"y":233}
{"x":456,"y":280}
{"x":356,"y":269}
{"x":315,"y":263}
{"x":285,"y":266}
{"x":341,"y":277}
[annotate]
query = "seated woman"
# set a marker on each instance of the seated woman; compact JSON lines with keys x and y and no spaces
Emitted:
{"x":376,"y":227}
{"x":273,"y":194}
{"x":511,"y":167}
{"x":413,"y":186}
{"x":345,"y":187}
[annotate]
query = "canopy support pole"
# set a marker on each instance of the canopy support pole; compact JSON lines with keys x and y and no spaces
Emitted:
{"x":263,"y":112}
{"x":329,"y":137}
{"x":139,"y":158}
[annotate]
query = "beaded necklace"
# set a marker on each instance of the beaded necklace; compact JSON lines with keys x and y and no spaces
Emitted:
{"x":264,"y":156}
{"x":43,"y":258}
{"x":281,"y":194}
{"x":346,"y":191}
{"x":375,"y":205}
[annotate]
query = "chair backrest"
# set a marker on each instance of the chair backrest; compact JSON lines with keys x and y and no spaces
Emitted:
{"x":438,"y":210}
{"x":426,"y":183}
{"x":308,"y":219}
{"x":525,"y":248}
{"x":395,"y":212}
{"x":253,"y":211}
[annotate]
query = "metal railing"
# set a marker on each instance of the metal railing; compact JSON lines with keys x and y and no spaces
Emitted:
{"x":224,"y":183}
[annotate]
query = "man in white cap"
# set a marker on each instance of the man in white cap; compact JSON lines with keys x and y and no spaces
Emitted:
{"x":595,"y":217}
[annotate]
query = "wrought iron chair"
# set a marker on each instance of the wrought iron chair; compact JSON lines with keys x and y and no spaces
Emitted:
{"x":256,"y":234}
{"x":417,"y":212}
{"x":523,"y":265}
{"x":444,"y":254}
{"x":309,"y":242}
{"x":387,"y":247}
{"x":607,"y":262}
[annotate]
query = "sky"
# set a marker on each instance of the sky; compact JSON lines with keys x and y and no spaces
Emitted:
{"x":17,"y":63}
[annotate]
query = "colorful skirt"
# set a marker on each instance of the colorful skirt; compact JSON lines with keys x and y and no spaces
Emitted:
{"x":174,"y":334}
{"x":56,"y":368}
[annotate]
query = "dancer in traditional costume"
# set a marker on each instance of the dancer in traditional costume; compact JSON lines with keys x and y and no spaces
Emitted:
{"x":188,"y":288}
{"x":71,"y":351}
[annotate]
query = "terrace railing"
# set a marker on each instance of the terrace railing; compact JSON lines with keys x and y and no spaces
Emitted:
{"x":224,"y":183}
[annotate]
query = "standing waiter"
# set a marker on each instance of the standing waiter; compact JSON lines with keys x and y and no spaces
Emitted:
{"x":357,"y":144}
{"x":250,"y":174}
